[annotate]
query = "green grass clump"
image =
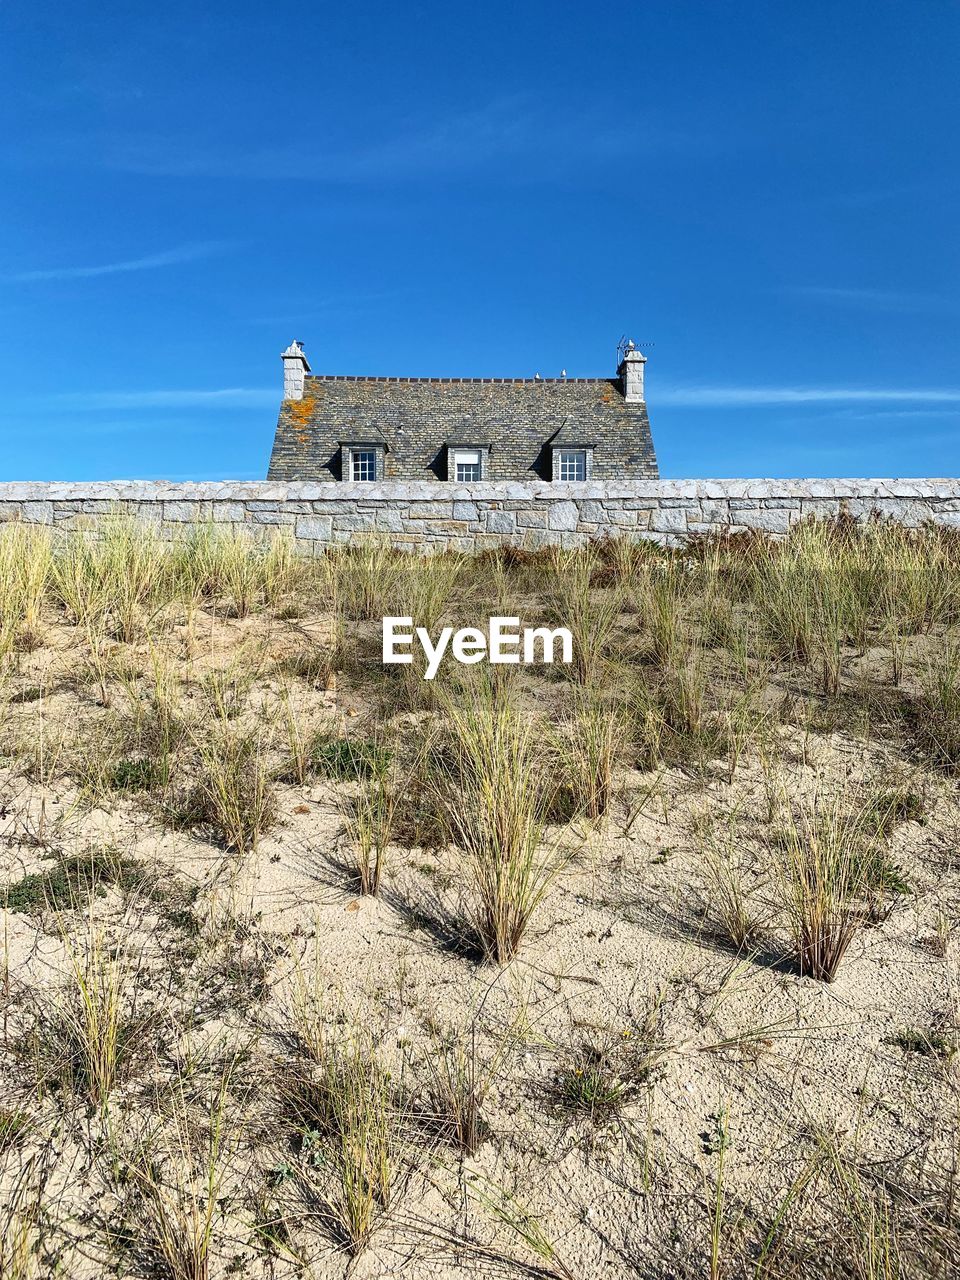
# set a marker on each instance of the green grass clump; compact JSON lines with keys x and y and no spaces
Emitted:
{"x":133,"y":773}
{"x":936,"y":715}
{"x":32,"y":693}
{"x":899,"y":804}
{"x":71,"y":882}
{"x":87,"y":1038}
{"x":589,"y":1086}
{"x":831,"y":868}
{"x":345,"y":759}
{"x":311,"y":664}
{"x":598,"y":1080}
{"x":14,"y":1127}
{"x":233,"y":798}
{"x":497,"y":799}
{"x":928,"y":1044}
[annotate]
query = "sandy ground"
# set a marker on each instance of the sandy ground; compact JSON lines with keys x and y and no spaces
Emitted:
{"x":750,"y":1061}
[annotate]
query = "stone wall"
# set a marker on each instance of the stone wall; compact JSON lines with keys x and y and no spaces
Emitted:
{"x":426,"y":517}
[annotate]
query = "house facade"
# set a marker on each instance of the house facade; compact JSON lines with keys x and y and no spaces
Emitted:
{"x":359,"y":430}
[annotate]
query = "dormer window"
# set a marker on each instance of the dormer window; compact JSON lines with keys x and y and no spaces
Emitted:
{"x":571,"y":465}
{"x":362,"y":462}
{"x":467,"y":463}
{"x":467,"y":466}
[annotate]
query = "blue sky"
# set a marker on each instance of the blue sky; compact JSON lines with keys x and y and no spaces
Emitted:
{"x":767,"y":193}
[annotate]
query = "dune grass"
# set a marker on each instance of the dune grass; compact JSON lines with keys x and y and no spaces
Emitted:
{"x":255,"y":1071}
{"x":496,"y":798}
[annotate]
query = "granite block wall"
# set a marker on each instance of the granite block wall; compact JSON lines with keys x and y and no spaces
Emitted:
{"x":422,"y":517}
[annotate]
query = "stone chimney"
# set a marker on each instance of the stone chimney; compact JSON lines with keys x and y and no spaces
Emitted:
{"x":631,"y":374}
{"x":295,"y":367}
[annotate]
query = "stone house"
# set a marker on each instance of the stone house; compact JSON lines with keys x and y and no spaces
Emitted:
{"x":362,"y":429}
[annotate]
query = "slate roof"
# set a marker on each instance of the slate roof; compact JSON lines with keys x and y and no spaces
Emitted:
{"x":519,"y":419}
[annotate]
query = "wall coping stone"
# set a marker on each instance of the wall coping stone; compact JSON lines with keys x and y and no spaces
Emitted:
{"x":146,"y":491}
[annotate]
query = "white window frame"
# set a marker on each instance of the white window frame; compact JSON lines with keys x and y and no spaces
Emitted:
{"x":358,"y":461}
{"x":566,"y":460}
{"x":467,"y":458}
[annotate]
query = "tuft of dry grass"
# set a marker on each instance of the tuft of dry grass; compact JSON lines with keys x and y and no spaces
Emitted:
{"x":590,"y":613}
{"x":26,"y":564}
{"x":936,"y":718}
{"x":370,"y":818}
{"x":87,"y":1039}
{"x":179,"y":1176}
{"x":730,"y":898}
{"x":496,"y":800}
{"x":21,"y":1227}
{"x":364,"y":579}
{"x":588,"y":749}
{"x":461,"y":1077}
{"x":824,"y":879}
{"x":347,"y":1116}
{"x":233,"y":795}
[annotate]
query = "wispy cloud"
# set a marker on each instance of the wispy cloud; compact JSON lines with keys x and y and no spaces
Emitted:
{"x":339,"y":305}
{"x":746,"y":397}
{"x":221,"y":398}
{"x":150,"y":262}
{"x":878,"y":299}
{"x":948,"y":411}
{"x":515,"y":134}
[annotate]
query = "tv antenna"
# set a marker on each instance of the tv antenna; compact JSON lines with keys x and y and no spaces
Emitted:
{"x":627,"y":344}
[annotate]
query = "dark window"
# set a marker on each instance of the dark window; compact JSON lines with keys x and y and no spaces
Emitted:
{"x":571,"y":464}
{"x":467,"y":465}
{"x":363,"y":464}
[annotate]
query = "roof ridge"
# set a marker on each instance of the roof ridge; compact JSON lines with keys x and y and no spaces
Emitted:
{"x":364,"y":377}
